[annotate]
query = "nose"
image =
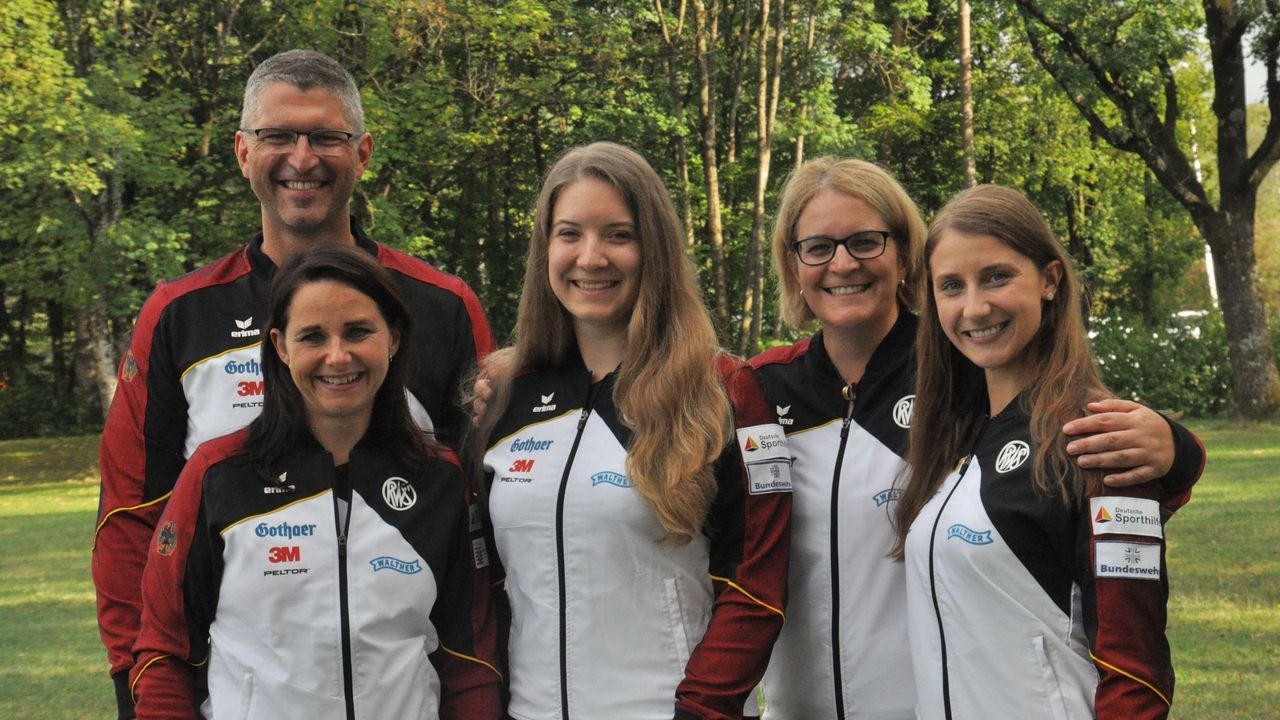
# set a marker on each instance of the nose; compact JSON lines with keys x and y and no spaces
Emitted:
{"x":843,"y":260}
{"x":336,"y":352}
{"x":591,"y":253}
{"x":975,"y":306}
{"x":301,"y":157}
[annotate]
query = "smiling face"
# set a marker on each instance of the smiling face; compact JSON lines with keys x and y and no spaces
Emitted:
{"x":593,"y":257}
{"x":989,"y":299}
{"x":338,"y":347}
{"x":847,"y":294}
{"x":302,"y":193}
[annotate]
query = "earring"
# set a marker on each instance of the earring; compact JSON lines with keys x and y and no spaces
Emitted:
{"x":1049,"y":297}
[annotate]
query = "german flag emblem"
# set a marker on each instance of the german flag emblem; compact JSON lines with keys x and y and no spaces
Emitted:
{"x":167,"y":539}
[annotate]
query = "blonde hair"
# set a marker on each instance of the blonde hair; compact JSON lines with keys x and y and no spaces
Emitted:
{"x":953,"y":388}
{"x":865,"y":181}
{"x":667,"y":392}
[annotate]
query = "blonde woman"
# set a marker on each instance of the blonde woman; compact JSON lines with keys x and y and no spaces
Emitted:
{"x":639,"y":486}
{"x":1031,"y":586}
{"x":845,"y":249}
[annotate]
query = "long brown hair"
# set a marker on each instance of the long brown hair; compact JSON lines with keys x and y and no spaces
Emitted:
{"x":865,"y":181}
{"x":951,"y":390}
{"x":667,"y":389}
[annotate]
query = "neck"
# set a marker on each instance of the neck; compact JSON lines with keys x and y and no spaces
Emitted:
{"x":602,"y":349}
{"x":851,"y":348}
{"x":339,"y":435}
{"x":279,"y":243}
{"x":1002,"y":388}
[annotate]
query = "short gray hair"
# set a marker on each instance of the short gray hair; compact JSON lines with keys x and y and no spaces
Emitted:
{"x":305,"y":70}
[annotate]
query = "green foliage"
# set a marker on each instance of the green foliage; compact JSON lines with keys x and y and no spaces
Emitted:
{"x":1179,"y":365}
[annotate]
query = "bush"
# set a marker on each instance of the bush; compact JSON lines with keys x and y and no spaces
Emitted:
{"x":32,"y":406}
{"x":1181,"y":366}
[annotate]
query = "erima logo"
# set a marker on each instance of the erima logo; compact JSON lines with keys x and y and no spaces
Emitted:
{"x":282,"y":485}
{"x":400,"y":566}
{"x":902,"y":411}
{"x":969,"y":535}
{"x":610,"y":478}
{"x":245,"y":331}
{"x":1012,"y":455}
{"x":783,"y":411}
{"x":398,"y":494}
{"x":547,"y":405}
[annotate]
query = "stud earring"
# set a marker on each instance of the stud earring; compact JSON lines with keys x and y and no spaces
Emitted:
{"x":1049,"y":297}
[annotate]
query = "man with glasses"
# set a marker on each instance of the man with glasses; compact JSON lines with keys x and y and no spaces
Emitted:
{"x":192,"y":371}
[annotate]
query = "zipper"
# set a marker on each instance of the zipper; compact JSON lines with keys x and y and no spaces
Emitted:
{"x":344,"y":524}
{"x":560,"y":577}
{"x":850,"y":393}
{"x":933,"y":587}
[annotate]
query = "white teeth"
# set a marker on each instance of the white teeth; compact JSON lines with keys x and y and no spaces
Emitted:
{"x":598,"y":285}
{"x":985,"y":332}
{"x":340,"y":379}
{"x":301,"y":185}
{"x":848,"y":289}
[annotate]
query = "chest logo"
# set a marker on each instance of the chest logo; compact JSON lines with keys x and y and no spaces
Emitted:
{"x":902,"y":411}
{"x":547,"y":404}
{"x":610,"y":478}
{"x":969,"y":535}
{"x":783,"y":411}
{"x":398,"y":494}
{"x":389,"y":563}
{"x":521,"y":466}
{"x":885,"y":496}
{"x":245,"y":329}
{"x":1012,"y":455}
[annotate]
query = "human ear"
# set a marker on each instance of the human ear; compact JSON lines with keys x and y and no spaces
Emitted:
{"x":277,"y":342}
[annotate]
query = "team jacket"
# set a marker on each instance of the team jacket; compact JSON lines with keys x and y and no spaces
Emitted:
{"x":299,"y":612}
{"x":192,"y":373}
{"x":843,"y":652}
{"x":1021,"y":606}
{"x":608,"y":621}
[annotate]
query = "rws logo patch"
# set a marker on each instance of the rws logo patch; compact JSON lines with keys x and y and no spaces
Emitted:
{"x":1011,"y":456}
{"x":398,"y":494}
{"x":902,"y":411}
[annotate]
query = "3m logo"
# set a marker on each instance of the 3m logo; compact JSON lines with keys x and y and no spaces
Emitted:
{"x":248,"y":388}
{"x":284,"y":554}
{"x":902,"y":411}
{"x":1103,"y":516}
{"x":521,"y":466}
{"x":398,"y":494}
{"x":1011,"y":456}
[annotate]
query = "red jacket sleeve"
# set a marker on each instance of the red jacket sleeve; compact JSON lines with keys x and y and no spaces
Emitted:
{"x":1188,"y":464}
{"x":161,"y":681}
{"x":1125,"y":591}
{"x":470,"y":670}
{"x":140,"y":456}
{"x":750,"y":532}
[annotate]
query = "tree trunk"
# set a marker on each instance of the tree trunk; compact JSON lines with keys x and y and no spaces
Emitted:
{"x":706,"y":39}
{"x":94,"y":366}
{"x":966,"y":98}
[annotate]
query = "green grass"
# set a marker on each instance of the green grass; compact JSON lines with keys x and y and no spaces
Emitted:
{"x":1224,"y":557}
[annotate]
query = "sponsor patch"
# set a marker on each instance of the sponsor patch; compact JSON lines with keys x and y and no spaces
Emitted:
{"x":1126,"y":516}
{"x":129,"y":368}
{"x":763,"y":442}
{"x":246,"y":329}
{"x":284,"y":554}
{"x":770,"y":476}
{"x":479,"y":553}
{"x":167,"y":539}
{"x":547,"y":404}
{"x":389,"y":563}
{"x":885,"y":496}
{"x":902,"y":411}
{"x":1131,"y":560}
{"x":398,"y":493}
{"x":969,"y":535}
{"x":1012,"y":455}
{"x":285,"y":530}
{"x":523,"y":445}
{"x":610,"y":478}
{"x":524,"y":465}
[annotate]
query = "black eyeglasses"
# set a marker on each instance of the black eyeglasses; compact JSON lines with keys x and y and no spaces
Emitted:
{"x":862,"y":245}
{"x":321,"y":142}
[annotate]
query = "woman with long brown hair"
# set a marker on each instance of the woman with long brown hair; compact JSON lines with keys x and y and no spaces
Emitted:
{"x":1031,"y":586}
{"x":639,"y":488}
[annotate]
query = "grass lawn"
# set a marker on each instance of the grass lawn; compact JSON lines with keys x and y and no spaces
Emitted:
{"x":1224,"y":557}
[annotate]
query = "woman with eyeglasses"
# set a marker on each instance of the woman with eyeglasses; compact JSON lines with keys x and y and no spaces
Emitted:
{"x":845,"y":251}
{"x":318,"y":564}
{"x":1031,"y":587}
{"x":639,"y":487}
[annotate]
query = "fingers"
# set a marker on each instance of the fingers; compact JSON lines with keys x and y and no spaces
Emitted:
{"x":1135,"y":476}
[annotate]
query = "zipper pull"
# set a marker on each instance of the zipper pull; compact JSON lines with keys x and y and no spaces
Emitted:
{"x":850,"y":393}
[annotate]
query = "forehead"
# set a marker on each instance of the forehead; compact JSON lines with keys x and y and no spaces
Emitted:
{"x":283,"y":105}
{"x":330,"y":301}
{"x":836,"y":214}
{"x":590,"y":198}
{"x":957,"y":252}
